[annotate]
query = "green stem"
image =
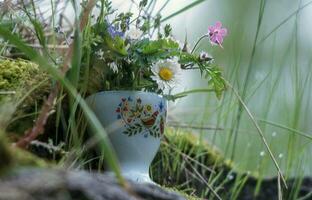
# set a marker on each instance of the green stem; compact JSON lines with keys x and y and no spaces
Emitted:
{"x":198,"y":41}
{"x":182,"y":94}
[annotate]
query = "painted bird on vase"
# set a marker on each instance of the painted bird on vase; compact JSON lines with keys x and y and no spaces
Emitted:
{"x":150,"y":121}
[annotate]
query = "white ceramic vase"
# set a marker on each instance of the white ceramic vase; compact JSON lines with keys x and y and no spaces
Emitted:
{"x":134,"y":121}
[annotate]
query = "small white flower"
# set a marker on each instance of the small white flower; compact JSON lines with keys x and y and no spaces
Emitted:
{"x":274,"y":134}
{"x":134,"y":33}
{"x":166,"y":73}
{"x":204,"y":56}
{"x":113,"y":66}
{"x":128,"y":60}
{"x":280,"y":155}
{"x":262,"y":153}
{"x":59,"y":60}
{"x":100,"y":54}
{"x":230,"y":176}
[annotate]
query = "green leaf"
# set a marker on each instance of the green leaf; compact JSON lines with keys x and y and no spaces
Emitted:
{"x":159,"y":46}
{"x":186,"y":58}
{"x":39,"y":31}
{"x":117,"y":45}
{"x":216,"y":81}
{"x":74,"y":71}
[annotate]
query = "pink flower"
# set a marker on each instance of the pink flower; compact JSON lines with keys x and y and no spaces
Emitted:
{"x":216,"y":34}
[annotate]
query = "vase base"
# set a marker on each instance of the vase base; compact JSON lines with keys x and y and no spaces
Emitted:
{"x":136,"y":177}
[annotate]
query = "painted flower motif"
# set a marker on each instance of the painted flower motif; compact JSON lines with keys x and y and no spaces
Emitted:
{"x":161,"y":106}
{"x":140,"y":118}
{"x":166,"y":73}
{"x":134,"y":33}
{"x":113,"y":66}
{"x":148,"y":108}
{"x":216,"y":34}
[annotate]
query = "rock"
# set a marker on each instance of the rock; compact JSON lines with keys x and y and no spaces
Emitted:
{"x":45,"y":184}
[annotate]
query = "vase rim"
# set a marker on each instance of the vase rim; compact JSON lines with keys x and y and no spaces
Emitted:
{"x":125,"y":91}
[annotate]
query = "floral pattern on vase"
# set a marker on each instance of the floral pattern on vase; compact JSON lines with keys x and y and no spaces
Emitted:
{"x":138,"y":117}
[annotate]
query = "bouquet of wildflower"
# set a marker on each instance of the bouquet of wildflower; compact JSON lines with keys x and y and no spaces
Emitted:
{"x":138,"y":53}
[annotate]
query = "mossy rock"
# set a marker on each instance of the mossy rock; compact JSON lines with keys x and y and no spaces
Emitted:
{"x":23,"y":86}
{"x":194,"y":168}
{"x":6,"y":155}
{"x":13,"y":157}
{"x":182,"y":158}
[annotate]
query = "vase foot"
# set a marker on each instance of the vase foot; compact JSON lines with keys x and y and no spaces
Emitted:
{"x":136,"y":177}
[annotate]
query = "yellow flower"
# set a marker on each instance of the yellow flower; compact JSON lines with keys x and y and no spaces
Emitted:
{"x":165,"y":73}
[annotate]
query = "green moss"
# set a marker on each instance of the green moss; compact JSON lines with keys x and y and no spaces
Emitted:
{"x":6,"y":158}
{"x":16,"y":73}
{"x":21,"y":77}
{"x":26,"y":159}
{"x":182,"y":157}
{"x":29,"y":84}
{"x":187,"y":196}
{"x":13,"y":157}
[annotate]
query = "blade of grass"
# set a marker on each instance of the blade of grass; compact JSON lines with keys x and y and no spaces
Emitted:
{"x":255,"y":124}
{"x":77,"y":53}
{"x":247,"y":78}
{"x":185,"y":93}
{"x":286,"y":128}
{"x":280,"y":194}
{"x":283,"y":22}
{"x":204,"y":180}
{"x":258,"y":130}
{"x":191,"y":5}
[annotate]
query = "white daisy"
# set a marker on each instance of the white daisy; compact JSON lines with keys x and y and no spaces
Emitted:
{"x":166,"y":73}
{"x":134,"y":33}
{"x":113,"y":66}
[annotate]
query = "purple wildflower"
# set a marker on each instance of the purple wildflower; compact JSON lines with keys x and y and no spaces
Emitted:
{"x":216,"y":34}
{"x":113,"y":31}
